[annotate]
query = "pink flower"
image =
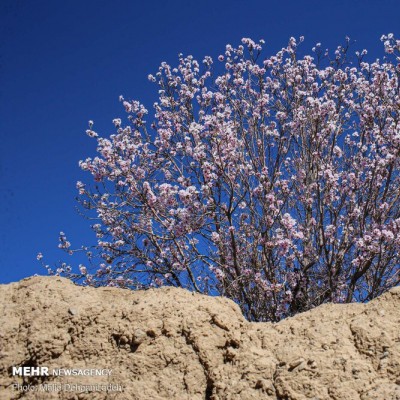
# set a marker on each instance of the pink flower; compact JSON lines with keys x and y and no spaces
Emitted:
{"x":215,"y":237}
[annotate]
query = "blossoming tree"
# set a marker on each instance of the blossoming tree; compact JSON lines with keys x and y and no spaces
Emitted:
{"x":274,"y":182}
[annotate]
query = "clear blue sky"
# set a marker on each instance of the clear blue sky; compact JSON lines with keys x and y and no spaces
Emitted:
{"x":63,"y":63}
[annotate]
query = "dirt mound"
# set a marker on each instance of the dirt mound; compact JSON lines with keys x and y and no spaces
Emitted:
{"x":62,"y":341}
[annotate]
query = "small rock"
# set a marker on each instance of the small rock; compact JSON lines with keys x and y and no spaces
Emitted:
{"x":312,"y":364}
{"x":296,"y":363}
{"x":139,"y":336}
